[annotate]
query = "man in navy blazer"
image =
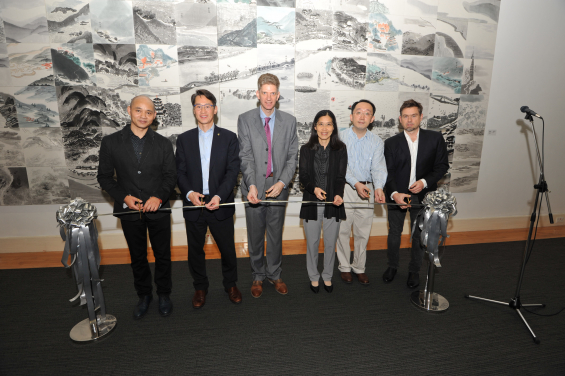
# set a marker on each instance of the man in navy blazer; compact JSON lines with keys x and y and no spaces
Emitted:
{"x":207,"y":167}
{"x":416,"y":160}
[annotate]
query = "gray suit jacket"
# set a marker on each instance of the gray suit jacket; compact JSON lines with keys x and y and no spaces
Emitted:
{"x":253,"y":150}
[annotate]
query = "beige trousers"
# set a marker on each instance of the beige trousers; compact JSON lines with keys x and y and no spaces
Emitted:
{"x":360,"y":216}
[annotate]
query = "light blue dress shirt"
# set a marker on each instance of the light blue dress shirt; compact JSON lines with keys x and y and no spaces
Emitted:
{"x":205,"y":144}
{"x":365,"y":158}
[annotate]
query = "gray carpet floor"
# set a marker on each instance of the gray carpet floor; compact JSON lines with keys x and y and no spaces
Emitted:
{"x":367,"y":330}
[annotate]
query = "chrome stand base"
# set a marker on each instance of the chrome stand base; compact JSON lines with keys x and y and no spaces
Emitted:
{"x":434,"y":303}
{"x":85,"y":332}
{"x":516,"y":305}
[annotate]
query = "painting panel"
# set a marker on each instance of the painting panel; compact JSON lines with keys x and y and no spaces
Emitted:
{"x":275,"y":26}
{"x":483,"y":11}
{"x":464,"y":176}
{"x":350,"y":31}
{"x":349,"y":71}
{"x":313,"y":71}
{"x":385,"y":33}
{"x":91,"y":106}
{"x":167,"y":106}
{"x":418,"y":37}
{"x":36,"y":106}
{"x":340,"y":104}
{"x":30,"y":64}
{"x":237,"y":25}
{"x":73,"y":64}
{"x":115,"y":64}
{"x":68,"y":21}
{"x":196,"y":24}
{"x":276,"y":3}
{"x":314,"y":4}
{"x":447,"y":74}
{"x":43,"y":147}
{"x":233,"y":102}
{"x":2,"y":33}
{"x":29,"y":26}
{"x":421,"y":8}
{"x":112,"y":21}
{"x":451,"y":37}
{"x":154,"y":22}
{"x":443,"y":111}
{"x":415,"y":74}
{"x":280,"y":62}
{"x":237,"y":67}
{"x":172,"y":134}
{"x":383,"y":72}
{"x":394,"y":7}
{"x":14,"y":186}
{"x":354,"y":6}
{"x":11,"y":152}
{"x":5,"y":74}
{"x":48,"y":185}
{"x":313,"y":29}
{"x":477,"y":76}
{"x":481,"y":40}
{"x":8,"y":112}
{"x":473,"y":111}
{"x":198,"y":66}
{"x":157,"y":64}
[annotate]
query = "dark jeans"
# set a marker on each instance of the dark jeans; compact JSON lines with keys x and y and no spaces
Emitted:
{"x":135,"y":233}
{"x":223,"y":234}
{"x":396,"y":224}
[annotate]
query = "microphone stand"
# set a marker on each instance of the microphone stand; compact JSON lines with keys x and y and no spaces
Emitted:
{"x":541,"y":187}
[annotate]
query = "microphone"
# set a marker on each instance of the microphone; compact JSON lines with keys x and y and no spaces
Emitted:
{"x":527,"y":110}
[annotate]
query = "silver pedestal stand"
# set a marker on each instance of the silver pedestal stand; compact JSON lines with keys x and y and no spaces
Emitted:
{"x":81,"y":243}
{"x":427,"y":299}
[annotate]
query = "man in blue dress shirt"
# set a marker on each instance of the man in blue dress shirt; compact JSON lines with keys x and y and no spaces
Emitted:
{"x":366,"y":171}
{"x":208,"y":164}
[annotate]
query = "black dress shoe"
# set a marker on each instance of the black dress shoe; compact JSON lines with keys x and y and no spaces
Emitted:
{"x":413,"y":280}
{"x":329,"y":288}
{"x":165,"y":306}
{"x":315,"y":289}
{"x":389,"y":274}
{"x":142,"y":306}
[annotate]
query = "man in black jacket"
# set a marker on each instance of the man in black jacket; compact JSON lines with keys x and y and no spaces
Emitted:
{"x":144,"y":164}
{"x":208,"y":163}
{"x":416,"y":160}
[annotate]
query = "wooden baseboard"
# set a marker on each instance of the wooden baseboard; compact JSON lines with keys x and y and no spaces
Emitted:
{"x":290,"y":247}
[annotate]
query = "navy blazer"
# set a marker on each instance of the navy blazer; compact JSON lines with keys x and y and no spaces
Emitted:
{"x":224,"y":168}
{"x":431,"y":163}
{"x":154,"y":175}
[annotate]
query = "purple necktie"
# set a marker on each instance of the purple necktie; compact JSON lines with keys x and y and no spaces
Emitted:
{"x":268,"y":133}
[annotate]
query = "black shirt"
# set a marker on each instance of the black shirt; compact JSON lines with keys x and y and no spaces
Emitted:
{"x":321,"y":166}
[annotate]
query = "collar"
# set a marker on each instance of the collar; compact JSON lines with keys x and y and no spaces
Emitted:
{"x":207,"y":133}
{"x":263,"y":116}
{"x":129,"y":132}
{"x":410,"y":139}
{"x":355,"y":134}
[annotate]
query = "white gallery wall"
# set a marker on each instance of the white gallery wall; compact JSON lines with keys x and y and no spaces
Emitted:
{"x":527,"y":70}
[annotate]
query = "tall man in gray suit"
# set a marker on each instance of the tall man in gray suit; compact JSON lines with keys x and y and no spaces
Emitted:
{"x":268,"y":149}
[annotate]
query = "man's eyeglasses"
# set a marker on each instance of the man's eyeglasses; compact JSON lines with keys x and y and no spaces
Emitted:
{"x":203,"y":106}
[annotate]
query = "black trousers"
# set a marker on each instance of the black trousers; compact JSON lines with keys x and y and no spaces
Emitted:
{"x":223,"y":233}
{"x":396,"y":224}
{"x":135,"y":233}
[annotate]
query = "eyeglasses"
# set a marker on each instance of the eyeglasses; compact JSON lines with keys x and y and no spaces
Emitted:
{"x":325,"y":124}
{"x":366,"y":113}
{"x":203,"y":106}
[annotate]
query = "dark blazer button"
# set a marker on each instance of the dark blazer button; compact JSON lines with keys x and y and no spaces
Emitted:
{"x":267,"y":149}
{"x":265,"y":175}
{"x":265,"y":162}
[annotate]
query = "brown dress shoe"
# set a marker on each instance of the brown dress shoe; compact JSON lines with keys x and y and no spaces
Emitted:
{"x":346,"y":277}
{"x":363,"y":279}
{"x":199,"y":298}
{"x":257,"y":289}
{"x":234,"y":294}
{"x":280,"y":286}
